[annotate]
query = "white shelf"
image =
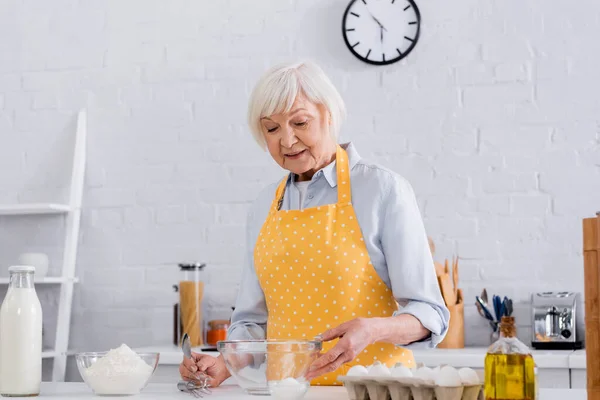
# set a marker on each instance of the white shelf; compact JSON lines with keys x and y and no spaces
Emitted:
{"x":34,"y":209}
{"x":72,"y":214}
{"x":49,"y":354}
{"x":44,"y":281}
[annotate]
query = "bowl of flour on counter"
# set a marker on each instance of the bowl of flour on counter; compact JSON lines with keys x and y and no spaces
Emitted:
{"x":118,"y":372}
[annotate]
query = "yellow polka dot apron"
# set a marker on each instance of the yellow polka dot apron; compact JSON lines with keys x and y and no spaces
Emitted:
{"x":315,"y":272}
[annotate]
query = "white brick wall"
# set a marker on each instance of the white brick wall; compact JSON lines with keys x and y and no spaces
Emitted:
{"x":493,"y":118}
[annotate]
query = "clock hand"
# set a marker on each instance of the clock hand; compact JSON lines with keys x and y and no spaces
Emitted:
{"x":380,"y":25}
{"x":376,"y":20}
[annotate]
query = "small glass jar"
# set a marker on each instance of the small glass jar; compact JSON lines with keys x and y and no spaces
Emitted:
{"x":217,"y":331}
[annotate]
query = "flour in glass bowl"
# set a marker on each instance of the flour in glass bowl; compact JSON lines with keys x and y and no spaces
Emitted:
{"x":121,"y":371}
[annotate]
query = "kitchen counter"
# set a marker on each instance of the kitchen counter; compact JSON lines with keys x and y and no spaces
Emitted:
{"x":70,"y":391}
{"x":577,"y":360}
{"x":472,"y":357}
{"x":557,"y":369}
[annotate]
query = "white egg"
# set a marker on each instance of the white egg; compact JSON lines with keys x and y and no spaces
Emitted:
{"x":400,"y":371}
{"x":425,"y":373}
{"x":379,"y":369}
{"x":358,"y":370}
{"x":448,"y":376}
{"x":468,"y":376}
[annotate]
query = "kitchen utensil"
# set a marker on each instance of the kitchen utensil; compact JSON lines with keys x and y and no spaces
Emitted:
{"x":185,"y":346}
{"x":190,"y":387}
{"x":445,"y":282}
{"x":484,"y":298}
{"x":486,"y":312}
{"x":202,"y":380}
{"x":497,"y":307}
{"x":259,"y":365}
{"x":439,"y":268}
{"x":480,"y":309}
{"x":509,"y":307}
{"x":455,"y":276}
{"x":122,"y":381}
{"x":492,"y":323}
{"x":504,"y":309}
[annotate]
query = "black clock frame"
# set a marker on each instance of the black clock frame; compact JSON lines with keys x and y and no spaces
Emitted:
{"x":386,"y":62}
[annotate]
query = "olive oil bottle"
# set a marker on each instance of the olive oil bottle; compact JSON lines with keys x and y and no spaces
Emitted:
{"x":509,"y":367}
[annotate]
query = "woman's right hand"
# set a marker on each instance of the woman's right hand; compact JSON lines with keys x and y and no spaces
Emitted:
{"x":214,"y":367}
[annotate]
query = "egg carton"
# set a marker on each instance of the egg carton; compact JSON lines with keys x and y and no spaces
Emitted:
{"x":405,"y":388}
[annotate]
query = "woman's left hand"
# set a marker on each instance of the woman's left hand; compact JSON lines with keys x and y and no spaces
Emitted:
{"x":355,"y":335}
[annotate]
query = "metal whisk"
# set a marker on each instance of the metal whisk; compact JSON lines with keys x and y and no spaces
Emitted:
{"x":199,"y":386}
{"x":196,"y":388}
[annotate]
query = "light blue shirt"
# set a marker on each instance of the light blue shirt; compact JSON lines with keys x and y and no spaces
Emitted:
{"x":393,"y":231}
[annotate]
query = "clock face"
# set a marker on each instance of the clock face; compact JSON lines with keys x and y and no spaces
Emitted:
{"x":381,"y":32}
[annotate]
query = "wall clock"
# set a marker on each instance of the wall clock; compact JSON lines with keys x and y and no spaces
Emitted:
{"x":381,"y":32}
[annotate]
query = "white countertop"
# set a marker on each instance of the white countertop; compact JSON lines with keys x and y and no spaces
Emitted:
{"x":70,"y":391}
{"x":472,"y":357}
{"x":577,"y":360}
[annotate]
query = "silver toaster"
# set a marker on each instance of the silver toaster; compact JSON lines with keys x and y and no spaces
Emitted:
{"x":555,"y":321}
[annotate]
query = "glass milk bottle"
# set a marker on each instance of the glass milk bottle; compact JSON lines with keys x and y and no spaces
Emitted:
{"x":20,"y":336}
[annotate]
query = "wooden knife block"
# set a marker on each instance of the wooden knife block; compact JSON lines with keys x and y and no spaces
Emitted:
{"x":591,"y":265}
{"x":455,"y":338}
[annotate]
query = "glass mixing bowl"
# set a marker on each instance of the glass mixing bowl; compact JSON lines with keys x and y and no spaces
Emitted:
{"x":116,"y":380}
{"x":270,"y":367}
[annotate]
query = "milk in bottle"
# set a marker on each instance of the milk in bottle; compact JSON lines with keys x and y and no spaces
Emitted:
{"x":20,"y":336}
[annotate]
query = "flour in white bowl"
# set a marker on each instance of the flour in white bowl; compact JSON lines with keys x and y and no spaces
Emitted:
{"x":121,"y":371}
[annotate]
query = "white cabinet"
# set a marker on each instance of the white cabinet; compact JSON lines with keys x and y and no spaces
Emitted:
{"x":577,"y":365}
{"x":556,"y":378}
{"x":578,"y":379}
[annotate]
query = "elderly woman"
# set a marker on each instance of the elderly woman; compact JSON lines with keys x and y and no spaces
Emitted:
{"x":337,"y":248}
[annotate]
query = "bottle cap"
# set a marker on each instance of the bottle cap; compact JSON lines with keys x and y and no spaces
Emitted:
{"x":21,"y":268}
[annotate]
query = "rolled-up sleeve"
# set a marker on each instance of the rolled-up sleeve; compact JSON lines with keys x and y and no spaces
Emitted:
{"x":249,"y":319}
{"x":410,"y":263}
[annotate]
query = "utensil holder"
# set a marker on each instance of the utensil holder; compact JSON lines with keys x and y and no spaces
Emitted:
{"x":455,"y":337}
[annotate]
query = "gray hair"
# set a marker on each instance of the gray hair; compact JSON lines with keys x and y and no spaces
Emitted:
{"x":277,"y":89}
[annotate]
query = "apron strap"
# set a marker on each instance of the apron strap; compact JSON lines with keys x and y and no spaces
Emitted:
{"x":278,"y":199}
{"x":343,"y":176}
{"x":343,"y":181}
